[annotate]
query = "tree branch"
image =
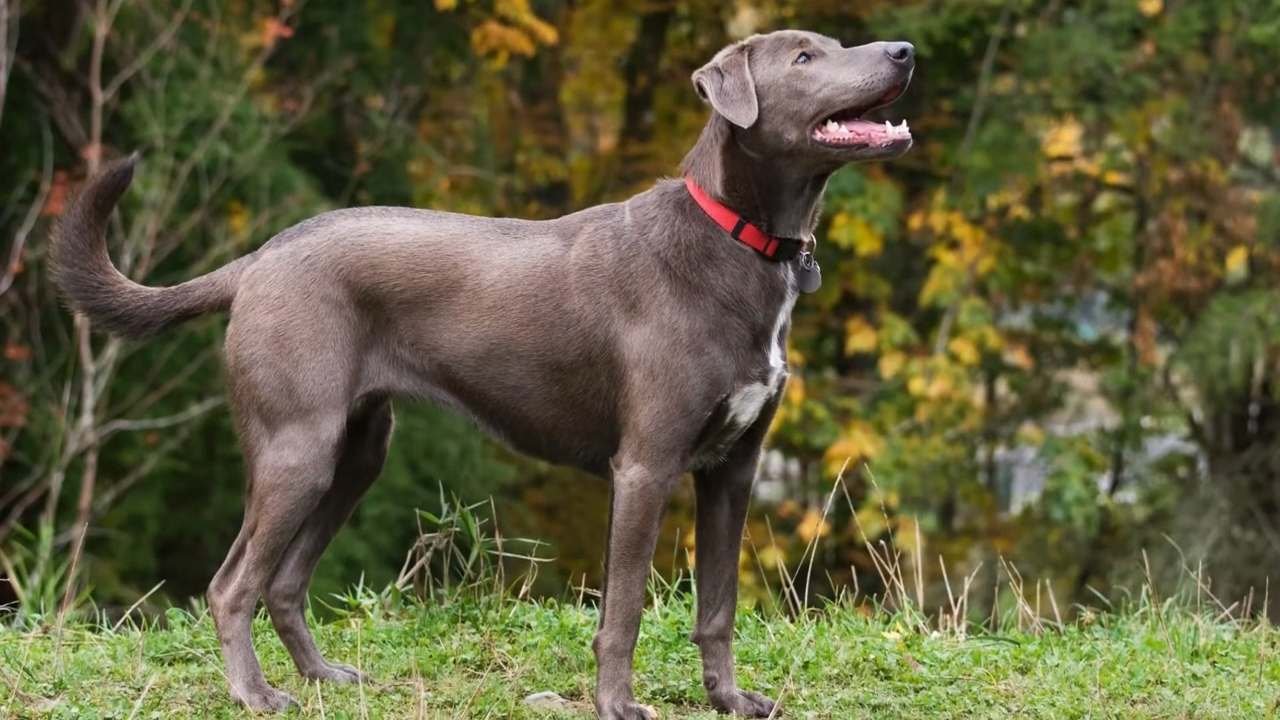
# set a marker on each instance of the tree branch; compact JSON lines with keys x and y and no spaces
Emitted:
{"x":10,"y":11}
{"x":144,"y":57}
{"x":157,"y":423}
{"x":85,"y":434}
{"x":10,"y":270}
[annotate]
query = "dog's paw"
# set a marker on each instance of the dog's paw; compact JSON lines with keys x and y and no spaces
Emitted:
{"x":626,"y":710}
{"x":335,"y":672}
{"x":743,"y":703}
{"x":264,"y":699}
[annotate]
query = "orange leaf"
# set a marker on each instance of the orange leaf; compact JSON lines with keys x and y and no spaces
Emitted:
{"x":55,"y":203}
{"x":273,"y":30}
{"x":13,"y":407}
{"x":16,"y":352}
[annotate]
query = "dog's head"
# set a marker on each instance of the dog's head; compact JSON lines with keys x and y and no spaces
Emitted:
{"x":804,"y":94}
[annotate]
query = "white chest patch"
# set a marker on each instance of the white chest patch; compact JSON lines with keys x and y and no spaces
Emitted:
{"x":747,"y":400}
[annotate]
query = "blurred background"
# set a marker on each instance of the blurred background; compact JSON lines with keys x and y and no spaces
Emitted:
{"x":1050,"y":334}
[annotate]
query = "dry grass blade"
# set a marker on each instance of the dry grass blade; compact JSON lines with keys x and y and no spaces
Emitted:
{"x":134,"y":606}
{"x":151,"y":680}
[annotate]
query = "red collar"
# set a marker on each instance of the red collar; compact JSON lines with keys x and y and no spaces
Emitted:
{"x":774,"y":248}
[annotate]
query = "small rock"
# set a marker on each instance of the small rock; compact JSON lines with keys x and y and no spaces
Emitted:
{"x":547,"y":700}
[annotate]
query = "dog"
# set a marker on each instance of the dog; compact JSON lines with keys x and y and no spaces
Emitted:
{"x":636,"y":340}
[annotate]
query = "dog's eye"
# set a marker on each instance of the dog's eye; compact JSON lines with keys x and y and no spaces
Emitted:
{"x":803,"y":58}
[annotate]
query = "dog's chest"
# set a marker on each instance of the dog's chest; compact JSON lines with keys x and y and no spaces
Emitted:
{"x":740,"y":409}
{"x":743,"y":406}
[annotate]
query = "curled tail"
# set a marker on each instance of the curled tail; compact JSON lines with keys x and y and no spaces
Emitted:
{"x":83,"y":271}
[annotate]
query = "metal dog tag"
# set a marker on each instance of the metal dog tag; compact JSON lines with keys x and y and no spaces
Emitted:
{"x":808,"y":273}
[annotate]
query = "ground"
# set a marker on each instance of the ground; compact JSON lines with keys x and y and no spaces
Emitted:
{"x":481,"y":657}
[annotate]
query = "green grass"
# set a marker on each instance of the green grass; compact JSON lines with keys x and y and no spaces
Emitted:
{"x":481,"y":657}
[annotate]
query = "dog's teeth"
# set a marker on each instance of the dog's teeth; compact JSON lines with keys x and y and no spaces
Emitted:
{"x":888,"y":126}
{"x":832,"y":126}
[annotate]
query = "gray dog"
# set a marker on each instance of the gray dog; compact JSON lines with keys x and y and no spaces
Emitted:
{"x":635,"y":340}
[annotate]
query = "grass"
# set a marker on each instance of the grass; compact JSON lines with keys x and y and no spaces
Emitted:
{"x":480,"y":656}
{"x":476,"y":649}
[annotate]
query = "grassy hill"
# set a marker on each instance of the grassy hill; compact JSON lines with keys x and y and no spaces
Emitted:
{"x":481,"y":656}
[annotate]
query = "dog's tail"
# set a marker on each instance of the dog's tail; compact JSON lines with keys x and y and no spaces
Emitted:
{"x":83,"y":271}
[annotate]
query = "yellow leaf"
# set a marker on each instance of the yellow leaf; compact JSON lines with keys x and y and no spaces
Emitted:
{"x":891,"y":363}
{"x":795,"y":358}
{"x":446,"y":5}
{"x":917,"y":385}
{"x":943,"y":281}
{"x":857,"y":443}
{"x":795,"y":393}
{"x":937,"y":288}
{"x":1117,"y":178}
{"x":812,"y":526}
{"x":1002,"y":198}
{"x":939,"y":386}
{"x":964,"y":350}
{"x":1237,"y":263}
{"x":520,"y":13}
{"x":493,"y":38}
{"x":904,"y":535}
{"x":866,"y":241}
{"x":859,"y":336}
{"x":870,"y":522}
{"x":1150,"y":8}
{"x":937,"y":220}
{"x":990,"y":338}
{"x":840,"y":233}
{"x":839,"y":454}
{"x":237,"y":218}
{"x":1063,"y":140}
{"x":850,"y":231}
{"x":770,"y":557}
{"x":865,"y":439}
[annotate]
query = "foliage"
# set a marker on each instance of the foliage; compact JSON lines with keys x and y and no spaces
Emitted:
{"x":1071,"y":261}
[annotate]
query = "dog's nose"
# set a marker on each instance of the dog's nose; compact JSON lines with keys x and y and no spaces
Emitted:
{"x":900,"y":52}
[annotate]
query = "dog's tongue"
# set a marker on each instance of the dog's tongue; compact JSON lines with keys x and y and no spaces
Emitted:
{"x":863,"y":132}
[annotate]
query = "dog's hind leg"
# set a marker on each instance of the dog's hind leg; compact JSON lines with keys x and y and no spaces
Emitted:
{"x":291,"y":468}
{"x":364,"y":449}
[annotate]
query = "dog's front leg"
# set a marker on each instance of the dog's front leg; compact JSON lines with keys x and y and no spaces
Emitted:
{"x":639,"y":497}
{"x":723,"y":493}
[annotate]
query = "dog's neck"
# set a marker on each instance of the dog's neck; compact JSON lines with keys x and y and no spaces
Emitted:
{"x":769,"y":192}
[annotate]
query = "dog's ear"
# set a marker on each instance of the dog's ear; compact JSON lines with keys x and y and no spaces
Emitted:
{"x":726,"y":83}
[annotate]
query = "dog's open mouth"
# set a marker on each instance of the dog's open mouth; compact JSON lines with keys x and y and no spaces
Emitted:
{"x":847,"y":128}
